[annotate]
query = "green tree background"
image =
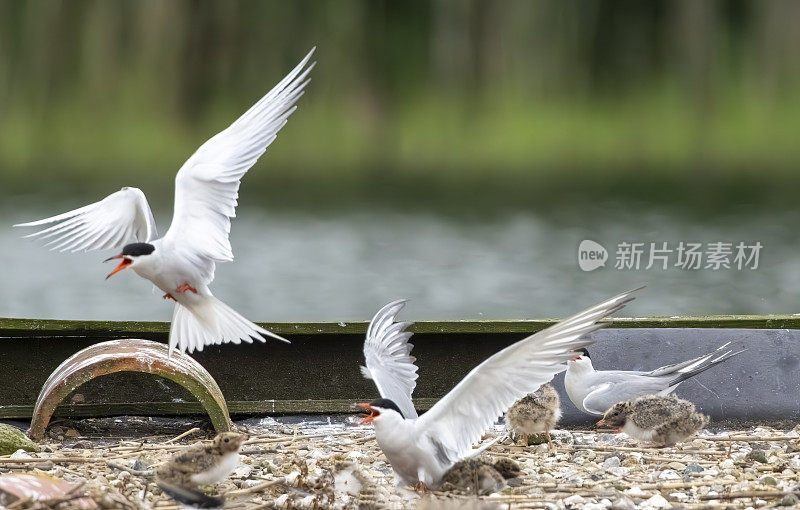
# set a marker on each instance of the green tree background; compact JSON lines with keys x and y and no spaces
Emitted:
{"x":670,"y":97}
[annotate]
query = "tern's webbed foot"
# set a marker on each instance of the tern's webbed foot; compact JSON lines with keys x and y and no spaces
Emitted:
{"x":186,"y":287}
{"x":420,"y":487}
{"x":169,"y":296}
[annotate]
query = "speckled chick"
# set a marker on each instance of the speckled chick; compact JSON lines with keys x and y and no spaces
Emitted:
{"x":507,"y":468}
{"x":472,"y":476}
{"x":200,"y":464}
{"x":663,"y":420}
{"x":536,"y":413}
{"x":479,"y":477}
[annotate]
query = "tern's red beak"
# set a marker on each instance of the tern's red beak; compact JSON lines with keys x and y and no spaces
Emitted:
{"x":369,"y":416}
{"x":122,"y":265}
{"x":602,"y":422}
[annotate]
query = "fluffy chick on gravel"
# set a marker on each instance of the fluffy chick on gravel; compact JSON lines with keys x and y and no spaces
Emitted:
{"x":536,"y":413}
{"x":349,"y":478}
{"x":479,"y":477}
{"x":656,"y":419}
{"x":200,"y":464}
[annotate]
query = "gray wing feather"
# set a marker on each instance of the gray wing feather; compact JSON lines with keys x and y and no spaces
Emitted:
{"x":605,"y":395}
{"x":685,"y":366}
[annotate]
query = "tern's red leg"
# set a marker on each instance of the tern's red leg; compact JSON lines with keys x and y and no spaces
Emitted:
{"x":420,"y":487}
{"x":183,"y":288}
{"x":169,"y":296}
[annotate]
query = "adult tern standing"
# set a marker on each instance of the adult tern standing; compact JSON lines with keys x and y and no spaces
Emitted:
{"x":595,"y":391}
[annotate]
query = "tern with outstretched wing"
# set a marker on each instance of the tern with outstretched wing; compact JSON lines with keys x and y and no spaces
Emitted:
{"x":182,"y":262}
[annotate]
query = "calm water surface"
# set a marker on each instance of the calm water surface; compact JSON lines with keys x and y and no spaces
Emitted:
{"x":305,"y":265}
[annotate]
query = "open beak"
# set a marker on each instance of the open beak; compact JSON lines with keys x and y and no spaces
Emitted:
{"x":602,"y":423}
{"x":370,"y":414}
{"x":122,"y":265}
{"x":576,"y":358}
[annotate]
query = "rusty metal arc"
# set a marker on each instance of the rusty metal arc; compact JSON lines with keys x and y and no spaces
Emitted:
{"x":129,"y":355}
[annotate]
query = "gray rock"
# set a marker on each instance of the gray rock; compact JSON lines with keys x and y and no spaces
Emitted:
{"x":81,"y":445}
{"x":141,"y":464}
{"x":623,"y":503}
{"x":768,"y":480}
{"x":563,"y":436}
{"x":693,"y":468}
{"x":789,"y":500}
{"x":757,"y":456}
{"x":611,"y":439}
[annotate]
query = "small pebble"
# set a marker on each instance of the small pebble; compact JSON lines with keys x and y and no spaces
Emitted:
{"x":789,"y":500}
{"x":678,"y":496}
{"x":141,"y":464}
{"x":767,"y":480}
{"x":757,"y":456}
{"x":623,"y":503}
{"x":657,"y":501}
{"x":574,"y":501}
{"x":669,"y":474}
{"x":693,"y":468}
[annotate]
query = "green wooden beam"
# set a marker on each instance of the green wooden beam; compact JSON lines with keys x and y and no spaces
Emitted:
{"x":60,"y":328}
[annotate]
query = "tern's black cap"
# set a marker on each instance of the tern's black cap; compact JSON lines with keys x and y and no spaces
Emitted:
{"x":385,"y":403}
{"x":136,"y":249}
{"x":584,"y":352}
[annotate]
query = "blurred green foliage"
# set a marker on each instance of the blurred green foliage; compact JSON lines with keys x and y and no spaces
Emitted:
{"x":111,"y":92}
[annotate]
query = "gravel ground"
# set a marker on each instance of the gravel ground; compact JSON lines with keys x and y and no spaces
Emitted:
{"x":332,"y":464}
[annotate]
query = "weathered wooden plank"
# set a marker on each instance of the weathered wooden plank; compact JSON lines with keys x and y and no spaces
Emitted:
{"x":319,"y":372}
{"x":11,"y":327}
{"x":237,"y":408}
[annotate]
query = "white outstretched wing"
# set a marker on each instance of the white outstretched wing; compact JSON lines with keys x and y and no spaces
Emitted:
{"x":207,"y":185}
{"x":120,"y":218}
{"x":389,"y":360}
{"x":460,"y":418}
